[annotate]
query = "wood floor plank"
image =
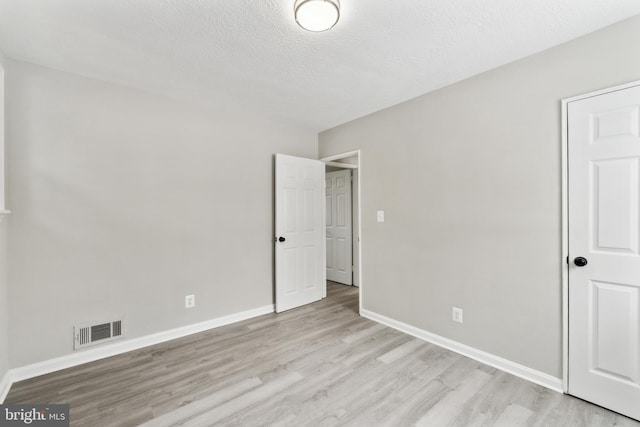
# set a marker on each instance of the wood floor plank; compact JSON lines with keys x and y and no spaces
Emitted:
{"x":401,"y":351}
{"x":234,"y":406}
{"x":318,"y":365}
{"x":203,"y":405}
{"x":446,"y":411}
{"x":364,"y":333}
{"x":514,"y":416}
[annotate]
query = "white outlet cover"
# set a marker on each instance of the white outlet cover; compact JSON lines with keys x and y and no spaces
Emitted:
{"x":380,"y":216}
{"x":189,"y":301}
{"x":456,"y":314}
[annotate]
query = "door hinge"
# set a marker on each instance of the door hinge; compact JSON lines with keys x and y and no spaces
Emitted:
{"x":567,"y":259}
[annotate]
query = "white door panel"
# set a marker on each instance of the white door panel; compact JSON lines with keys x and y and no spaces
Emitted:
{"x":300,"y":271}
{"x":604,"y":228}
{"x":616,"y":196}
{"x":339,"y":227}
{"x":355,"y":215}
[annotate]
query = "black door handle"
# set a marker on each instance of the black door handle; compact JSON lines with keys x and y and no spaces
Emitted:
{"x":580,"y":261}
{"x":281,"y":239}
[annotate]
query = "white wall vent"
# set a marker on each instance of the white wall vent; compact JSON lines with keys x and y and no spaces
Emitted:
{"x":88,"y":335}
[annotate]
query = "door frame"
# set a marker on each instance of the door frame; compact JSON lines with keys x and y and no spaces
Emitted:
{"x":330,"y":160}
{"x":565,"y":221}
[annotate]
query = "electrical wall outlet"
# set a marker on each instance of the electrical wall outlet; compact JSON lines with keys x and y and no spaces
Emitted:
{"x":189,"y":301}
{"x":380,"y":216}
{"x":456,"y":314}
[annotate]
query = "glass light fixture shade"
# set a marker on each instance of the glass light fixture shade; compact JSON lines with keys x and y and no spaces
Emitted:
{"x":317,"y":15}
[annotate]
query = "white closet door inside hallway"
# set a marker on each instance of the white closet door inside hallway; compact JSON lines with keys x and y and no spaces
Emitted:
{"x":339,"y":227}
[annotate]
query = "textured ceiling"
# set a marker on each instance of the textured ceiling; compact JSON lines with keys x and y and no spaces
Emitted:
{"x":249,"y":56}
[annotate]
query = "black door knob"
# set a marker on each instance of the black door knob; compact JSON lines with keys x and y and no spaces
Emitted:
{"x":580,"y":261}
{"x":281,"y":239}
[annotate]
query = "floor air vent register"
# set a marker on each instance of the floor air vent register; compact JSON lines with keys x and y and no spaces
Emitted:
{"x":89,"y":335}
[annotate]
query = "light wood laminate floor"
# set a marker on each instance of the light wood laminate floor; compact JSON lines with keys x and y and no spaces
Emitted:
{"x":318,"y":365}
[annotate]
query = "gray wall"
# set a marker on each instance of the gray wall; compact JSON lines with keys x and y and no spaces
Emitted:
{"x":124,"y":202}
{"x":4,"y":306}
{"x":470,"y":179}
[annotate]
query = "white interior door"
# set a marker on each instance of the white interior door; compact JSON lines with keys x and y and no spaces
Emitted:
{"x":604,"y":233}
{"x":339,"y":227}
{"x":355,"y":216}
{"x":300,"y":263}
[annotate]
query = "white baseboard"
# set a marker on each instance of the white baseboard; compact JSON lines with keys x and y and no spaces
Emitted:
{"x":5,"y":385}
{"x":119,"y":347}
{"x":513,"y":368}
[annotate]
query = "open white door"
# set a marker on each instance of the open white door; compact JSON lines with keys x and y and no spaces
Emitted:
{"x":300,"y":262}
{"x":339,"y":226}
{"x":604,"y":250}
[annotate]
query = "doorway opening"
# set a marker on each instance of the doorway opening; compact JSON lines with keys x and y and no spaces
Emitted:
{"x":343,"y":175}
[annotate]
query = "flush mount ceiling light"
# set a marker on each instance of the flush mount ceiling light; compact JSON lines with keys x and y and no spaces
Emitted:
{"x":317,"y":15}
